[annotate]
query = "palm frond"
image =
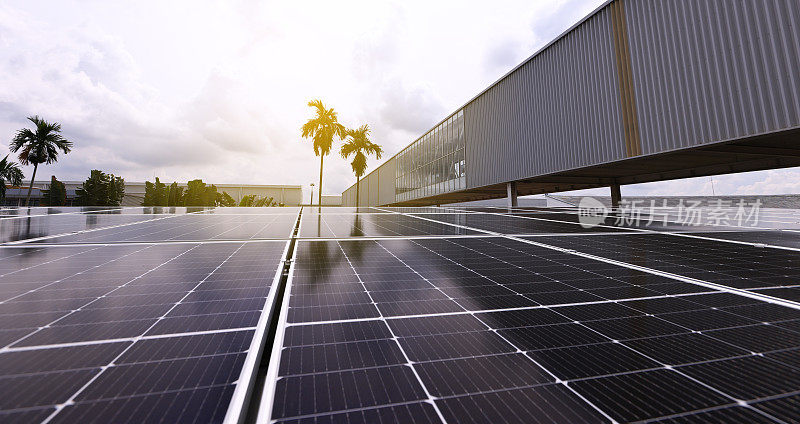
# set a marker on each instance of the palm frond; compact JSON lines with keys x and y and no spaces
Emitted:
{"x":359,"y":164}
{"x":322,"y":128}
{"x":10,"y":173}
{"x":42,"y":145}
{"x":348,"y":148}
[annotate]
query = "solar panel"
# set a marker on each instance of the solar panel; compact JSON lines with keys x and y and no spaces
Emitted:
{"x":757,"y":269}
{"x":191,"y":227}
{"x":121,"y":331}
{"x":471,"y":326}
{"x":392,"y":315}
{"x":128,"y":346}
{"x":22,"y":228}
{"x":325,"y":225}
{"x":506,"y":224}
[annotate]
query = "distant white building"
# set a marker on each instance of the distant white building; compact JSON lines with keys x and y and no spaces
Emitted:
{"x":289,"y":195}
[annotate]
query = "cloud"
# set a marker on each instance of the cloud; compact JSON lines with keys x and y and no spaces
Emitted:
{"x":218,"y":90}
{"x":558,"y":17}
{"x":90,"y":83}
{"x":413,"y":110}
{"x":505,"y":54}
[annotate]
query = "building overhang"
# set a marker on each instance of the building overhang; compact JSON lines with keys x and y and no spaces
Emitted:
{"x":770,"y":151}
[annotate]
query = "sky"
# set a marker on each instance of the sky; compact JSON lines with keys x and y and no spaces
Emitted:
{"x":217,"y":90}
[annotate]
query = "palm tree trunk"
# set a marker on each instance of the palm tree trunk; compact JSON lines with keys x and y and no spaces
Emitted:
{"x":358,"y":203}
{"x":319,"y":201}
{"x":30,"y":187}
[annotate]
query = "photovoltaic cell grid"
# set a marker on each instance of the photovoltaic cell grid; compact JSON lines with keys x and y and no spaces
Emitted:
{"x":191,"y":227}
{"x":123,"y":332}
{"x":497,"y":330}
{"x":515,"y":224}
{"x":704,"y":219}
{"x":336,"y":225}
{"x":421,"y":324}
{"x":775,"y":272}
{"x":21,"y":228}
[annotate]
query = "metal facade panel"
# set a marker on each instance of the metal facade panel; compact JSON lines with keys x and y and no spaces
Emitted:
{"x":374,"y":188}
{"x":560,"y":110}
{"x":695,"y":72}
{"x":386,"y":179}
{"x":363,"y":192}
{"x":713,"y":70}
{"x":349,"y":196}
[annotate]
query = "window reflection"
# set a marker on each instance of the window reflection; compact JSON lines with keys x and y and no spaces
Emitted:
{"x":433,"y":164}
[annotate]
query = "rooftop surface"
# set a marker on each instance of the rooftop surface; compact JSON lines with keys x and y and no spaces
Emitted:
{"x":434,"y":314}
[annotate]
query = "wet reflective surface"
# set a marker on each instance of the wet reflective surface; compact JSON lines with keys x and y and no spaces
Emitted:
{"x":490,"y":324}
{"x":408,"y":315}
{"x":173,"y":321}
{"x":373,"y":225}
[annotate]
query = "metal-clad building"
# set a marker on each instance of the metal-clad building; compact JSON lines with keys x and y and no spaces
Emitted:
{"x":638,"y":91}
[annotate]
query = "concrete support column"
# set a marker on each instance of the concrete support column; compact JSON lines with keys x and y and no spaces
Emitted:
{"x":616,"y":195}
{"x":511,"y":190}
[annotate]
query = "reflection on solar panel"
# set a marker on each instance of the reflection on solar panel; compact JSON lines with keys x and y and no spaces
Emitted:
{"x":393,"y":315}
{"x":338,"y":225}
{"x":124,"y":332}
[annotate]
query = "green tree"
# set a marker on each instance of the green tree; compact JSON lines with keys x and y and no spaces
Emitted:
{"x":247,"y":201}
{"x":194,"y":193}
{"x":211,"y":197}
{"x":9,"y":174}
{"x":101,"y":189}
{"x":155,"y":194}
{"x":116,"y":190}
{"x":264,"y":202}
{"x":199,"y":194}
{"x":322,"y":128}
{"x":160,"y":195}
{"x":175,"y":195}
{"x":359,"y":145}
{"x":56,"y":195}
{"x":149,"y":194}
{"x":39,"y":146}
{"x":226,"y":199}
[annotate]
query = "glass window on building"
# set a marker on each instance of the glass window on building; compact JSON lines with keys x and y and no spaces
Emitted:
{"x":434,"y":164}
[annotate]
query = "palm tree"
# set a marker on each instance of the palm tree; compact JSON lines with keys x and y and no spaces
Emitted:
{"x":359,"y":144}
{"x":40,"y":146}
{"x":321,"y":129}
{"x":9,"y":173}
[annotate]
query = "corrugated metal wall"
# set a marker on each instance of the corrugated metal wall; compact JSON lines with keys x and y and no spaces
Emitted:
{"x":689,"y":72}
{"x":377,"y":187}
{"x":560,"y":110}
{"x":386,"y":181}
{"x":713,"y":70}
{"x":363,"y":192}
{"x":373,"y":189}
{"x":348,"y":196}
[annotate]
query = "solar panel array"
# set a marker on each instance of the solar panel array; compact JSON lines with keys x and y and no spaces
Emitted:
{"x":527,"y":317}
{"x":118,"y":322}
{"x":394,"y":315}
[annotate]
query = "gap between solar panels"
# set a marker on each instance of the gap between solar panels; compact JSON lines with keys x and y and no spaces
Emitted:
{"x":253,"y":402}
{"x":695,"y":281}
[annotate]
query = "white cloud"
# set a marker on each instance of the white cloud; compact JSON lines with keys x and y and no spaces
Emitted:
{"x":217,"y":90}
